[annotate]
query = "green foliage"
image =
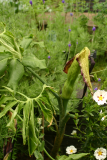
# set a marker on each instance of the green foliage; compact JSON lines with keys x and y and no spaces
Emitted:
{"x":73,"y":156}
{"x":26,"y":98}
{"x":17,"y":63}
{"x":28,"y":129}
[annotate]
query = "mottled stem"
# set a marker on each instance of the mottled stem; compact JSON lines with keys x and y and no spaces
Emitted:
{"x":61,"y":130}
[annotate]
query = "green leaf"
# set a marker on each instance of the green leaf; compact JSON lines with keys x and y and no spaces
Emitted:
{"x":25,"y":42}
{"x":41,"y":146}
{"x":41,"y":44}
{"x":33,"y":62}
{"x":47,"y":113}
{"x":3,"y":65}
{"x":72,"y":156}
{"x":16,"y":72}
{"x":72,"y":74}
{"x":72,"y":115}
{"x":3,"y":49}
{"x":9,"y":39}
{"x":32,"y":139}
{"x":76,"y":156}
{"x":10,"y":49}
{"x":4,"y":56}
{"x":46,"y":101}
{"x":11,"y":124}
{"x":41,"y":135}
{"x":76,"y":121}
{"x":45,"y":97}
{"x":26,"y":113}
{"x":61,"y":157}
{"x":5,"y":99}
{"x":83,"y":60}
{"x":38,"y":155}
{"x":7,"y":108}
{"x":95,"y":77}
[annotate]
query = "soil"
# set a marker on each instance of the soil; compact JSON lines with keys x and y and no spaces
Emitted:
{"x":51,"y":17}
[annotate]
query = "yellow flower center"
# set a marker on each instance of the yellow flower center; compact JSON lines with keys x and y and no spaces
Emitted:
{"x":71,"y":150}
{"x":100,"y":98}
{"x":99,"y":153}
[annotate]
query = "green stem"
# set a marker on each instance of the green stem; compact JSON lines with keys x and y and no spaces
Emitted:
{"x":62,"y":124}
{"x":48,"y":154}
{"x":36,"y":75}
{"x":69,"y":135}
{"x":23,"y":95}
{"x":58,"y":141}
{"x":56,"y":125}
{"x":46,"y":151}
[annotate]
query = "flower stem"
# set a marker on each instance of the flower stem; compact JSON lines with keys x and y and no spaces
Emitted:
{"x":48,"y":154}
{"x":35,"y":75}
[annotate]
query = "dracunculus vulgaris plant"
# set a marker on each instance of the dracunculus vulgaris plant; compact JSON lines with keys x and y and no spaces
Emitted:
{"x":18,"y":63}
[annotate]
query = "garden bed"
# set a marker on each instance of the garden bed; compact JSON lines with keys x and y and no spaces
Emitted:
{"x":51,"y":17}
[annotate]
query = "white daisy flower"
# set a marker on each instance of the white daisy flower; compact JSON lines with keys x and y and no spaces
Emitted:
{"x":100,"y":153}
{"x":74,"y":132}
{"x":100,"y":96}
{"x":71,"y":150}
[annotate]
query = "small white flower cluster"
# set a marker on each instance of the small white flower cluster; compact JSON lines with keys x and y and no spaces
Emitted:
{"x":48,"y":9}
{"x":100,"y":153}
{"x":100,"y":96}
